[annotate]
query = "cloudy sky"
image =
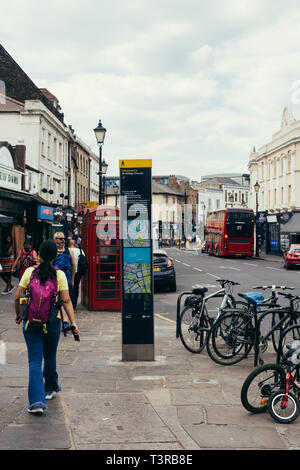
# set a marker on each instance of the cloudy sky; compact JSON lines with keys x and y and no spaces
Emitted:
{"x":192,"y":84}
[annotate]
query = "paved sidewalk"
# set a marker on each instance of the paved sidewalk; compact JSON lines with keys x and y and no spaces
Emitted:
{"x":180,"y":401}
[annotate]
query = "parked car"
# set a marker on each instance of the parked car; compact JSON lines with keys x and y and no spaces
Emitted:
{"x":292,"y":257}
{"x":163,"y":270}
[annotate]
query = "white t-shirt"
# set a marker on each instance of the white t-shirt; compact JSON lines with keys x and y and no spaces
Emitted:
{"x":76,"y":253}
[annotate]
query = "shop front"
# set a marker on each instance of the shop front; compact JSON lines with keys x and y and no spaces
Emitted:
{"x":13,"y":207}
{"x":290,"y":232}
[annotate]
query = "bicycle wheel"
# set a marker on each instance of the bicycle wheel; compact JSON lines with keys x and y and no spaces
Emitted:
{"x":193,"y":329}
{"x":260,"y":385}
{"x":283,"y":411}
{"x":230,"y":339}
{"x":290,"y":334}
{"x":276,"y":317}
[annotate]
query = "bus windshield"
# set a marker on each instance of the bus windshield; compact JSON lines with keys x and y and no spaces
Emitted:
{"x":239,"y":224}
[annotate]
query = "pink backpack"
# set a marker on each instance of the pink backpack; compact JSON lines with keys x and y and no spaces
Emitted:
{"x":41,"y":300}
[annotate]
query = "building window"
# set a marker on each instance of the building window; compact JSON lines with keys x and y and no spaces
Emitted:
{"x":49,"y":144}
{"x":289,"y":193}
{"x":55,"y":150}
{"x":43,"y":142}
{"x":60,"y":153}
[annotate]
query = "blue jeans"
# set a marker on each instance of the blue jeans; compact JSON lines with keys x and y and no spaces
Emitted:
{"x":42,"y":346}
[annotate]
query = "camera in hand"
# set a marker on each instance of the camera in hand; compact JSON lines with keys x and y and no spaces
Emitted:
{"x":76,"y":337}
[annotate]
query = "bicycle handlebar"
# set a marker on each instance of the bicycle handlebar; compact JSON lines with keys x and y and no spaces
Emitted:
{"x":273,"y":287}
{"x":228,"y":281}
{"x":289,"y":296}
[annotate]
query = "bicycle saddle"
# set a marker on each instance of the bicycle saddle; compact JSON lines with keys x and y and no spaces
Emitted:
{"x":200,"y":290}
{"x":253,"y":298}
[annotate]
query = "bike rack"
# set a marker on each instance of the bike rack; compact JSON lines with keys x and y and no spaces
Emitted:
{"x":179,"y":309}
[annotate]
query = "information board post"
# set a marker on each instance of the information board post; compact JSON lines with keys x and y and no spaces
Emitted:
{"x":136,"y":267}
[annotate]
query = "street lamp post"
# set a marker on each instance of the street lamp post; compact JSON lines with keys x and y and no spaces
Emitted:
{"x":256,"y":189}
{"x":100,"y":132}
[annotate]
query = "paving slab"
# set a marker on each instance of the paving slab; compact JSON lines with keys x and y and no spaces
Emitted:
{"x":106,"y":418}
{"x":211,"y":437}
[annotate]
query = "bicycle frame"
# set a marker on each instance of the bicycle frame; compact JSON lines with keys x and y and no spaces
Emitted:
{"x":289,"y":380}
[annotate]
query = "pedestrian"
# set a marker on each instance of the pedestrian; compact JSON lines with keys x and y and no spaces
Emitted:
{"x":27,"y":257}
{"x":7,"y":261}
{"x":42,"y":345}
{"x":66,"y":262}
{"x":77,"y":251}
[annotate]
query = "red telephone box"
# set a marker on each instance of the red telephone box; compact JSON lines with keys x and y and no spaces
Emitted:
{"x":101,"y":287}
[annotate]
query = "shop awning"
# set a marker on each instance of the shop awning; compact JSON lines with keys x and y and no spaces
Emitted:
{"x":5,"y":219}
{"x":293,"y":225}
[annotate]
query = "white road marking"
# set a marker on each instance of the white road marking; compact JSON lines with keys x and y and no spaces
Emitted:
{"x":217,"y":277}
{"x":188,"y":265}
{"x":276,"y":269}
{"x":251,"y":264}
{"x":229,"y":267}
{"x":198,"y":269}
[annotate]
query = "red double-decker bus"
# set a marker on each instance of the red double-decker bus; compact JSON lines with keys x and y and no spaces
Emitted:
{"x":230,"y":232}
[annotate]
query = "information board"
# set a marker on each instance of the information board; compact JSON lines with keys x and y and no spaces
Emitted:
{"x":136,"y":268}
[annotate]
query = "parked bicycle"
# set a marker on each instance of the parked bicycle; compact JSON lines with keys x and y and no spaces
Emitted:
{"x":269,"y":387}
{"x":195,"y":321}
{"x":288,"y":336}
{"x":233,"y":336}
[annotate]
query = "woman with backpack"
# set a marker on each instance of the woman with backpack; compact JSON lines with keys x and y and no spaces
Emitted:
{"x":44,"y":286}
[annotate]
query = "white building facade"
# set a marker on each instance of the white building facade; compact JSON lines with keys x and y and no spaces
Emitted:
{"x":218,"y":192}
{"x":276,"y":168}
{"x":46,"y":140}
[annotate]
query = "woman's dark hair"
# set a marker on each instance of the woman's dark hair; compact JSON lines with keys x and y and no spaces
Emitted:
{"x":48,"y":252}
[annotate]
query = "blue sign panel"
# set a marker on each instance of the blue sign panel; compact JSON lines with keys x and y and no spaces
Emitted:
{"x":45,"y":213}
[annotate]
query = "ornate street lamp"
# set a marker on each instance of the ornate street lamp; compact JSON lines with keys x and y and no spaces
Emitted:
{"x":100,"y":132}
{"x":256,"y":187}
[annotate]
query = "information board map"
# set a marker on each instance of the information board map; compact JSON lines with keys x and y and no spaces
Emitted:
{"x":138,"y":234}
{"x":137,"y":271}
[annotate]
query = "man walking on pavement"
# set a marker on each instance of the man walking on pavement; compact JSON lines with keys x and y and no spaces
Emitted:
{"x":66,"y":262}
{"x":76,"y":252}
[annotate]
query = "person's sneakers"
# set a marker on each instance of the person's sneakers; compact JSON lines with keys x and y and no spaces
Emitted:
{"x":67,"y":326}
{"x":50,"y":395}
{"x":8,"y":291}
{"x":38,"y":410}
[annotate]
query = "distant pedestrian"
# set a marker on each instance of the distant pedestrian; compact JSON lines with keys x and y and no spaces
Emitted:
{"x":7,"y":261}
{"x":43,"y":281}
{"x":77,"y":252}
{"x":26,"y":258}
{"x":66,"y":262}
